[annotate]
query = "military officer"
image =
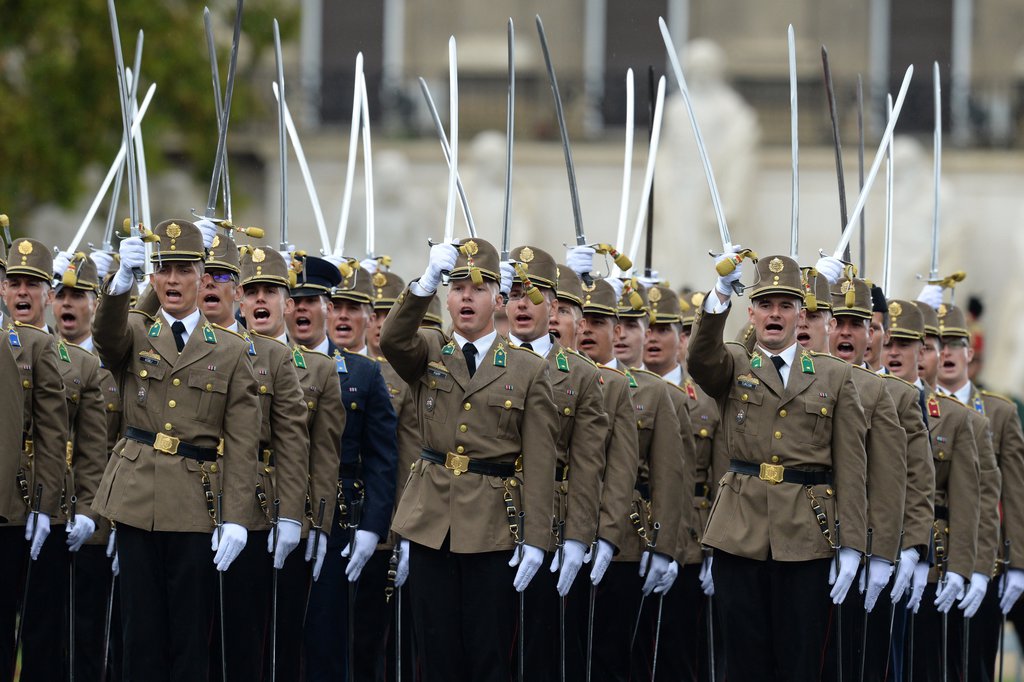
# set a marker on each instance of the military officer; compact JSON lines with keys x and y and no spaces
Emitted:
{"x":795,"y":430}
{"x":485,"y":458}
{"x":192,"y":388}
{"x":816,"y":323}
{"x":875,"y":352}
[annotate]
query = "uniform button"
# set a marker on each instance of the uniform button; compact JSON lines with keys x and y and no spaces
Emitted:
{"x":703,"y":433}
{"x":778,"y":435}
{"x":412,"y":467}
{"x":168,"y":426}
{"x":783,"y":413}
{"x":638,"y":423}
{"x":213,"y":468}
{"x":309,"y":404}
{"x":942,"y":455}
{"x":467,"y":406}
{"x":824,"y":410}
{"x":828,"y":491}
{"x":353,"y":405}
{"x":263,"y":389}
{"x":744,"y":396}
{"x":463,"y":428}
{"x":267,"y":470}
{"x":704,"y":504}
{"x":171,"y":403}
{"x":567,"y":411}
{"x":459,"y":450}
{"x":26,"y":383}
{"x":209,"y":387}
{"x":110,"y":407}
{"x":775,"y":459}
{"x":176,"y":382}
{"x":144,"y":373}
{"x":508,"y":404}
{"x":512,"y":483}
{"x":433,"y":383}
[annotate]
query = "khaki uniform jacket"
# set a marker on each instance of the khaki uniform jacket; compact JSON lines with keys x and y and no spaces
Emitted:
{"x":886,"y":446}
{"x":1008,"y":443}
{"x":484,"y":418}
{"x":408,"y":436}
{"x":712,"y":459}
{"x":686,"y":534}
{"x":989,"y":487}
{"x":580,"y":449}
{"x":112,"y":408}
{"x":622,"y":459}
{"x":202,"y":396}
{"x":325,"y":422}
{"x":87,"y":458}
{"x":957,"y":480}
{"x":12,"y":421}
{"x":815,"y":422}
{"x":919,"y":504}
{"x":281,"y":459}
{"x":45,"y":427}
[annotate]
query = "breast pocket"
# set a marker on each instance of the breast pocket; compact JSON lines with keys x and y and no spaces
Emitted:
{"x":819,"y":414}
{"x":145,"y":377}
{"x":510,"y":414}
{"x":212,"y":389}
{"x":566,"y":405}
{"x":742,"y":402}
{"x":435,"y":396}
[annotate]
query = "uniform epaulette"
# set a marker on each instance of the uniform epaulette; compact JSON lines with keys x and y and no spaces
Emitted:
{"x":225,"y":329}
{"x":992,"y":394}
{"x":381,"y":359}
{"x":611,"y":369}
{"x":268,"y":338}
{"x":30,"y":326}
{"x":528,"y":350}
{"x":829,"y":356}
{"x":893,"y":376}
{"x":143,"y":313}
{"x":737,"y":343}
{"x":581,"y":356}
{"x":948,"y":397}
{"x":637,"y":370}
{"x":673,"y":384}
{"x":310,"y":351}
{"x":864,"y":369}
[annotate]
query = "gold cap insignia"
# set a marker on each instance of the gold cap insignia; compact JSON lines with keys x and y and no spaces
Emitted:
{"x":258,"y":255}
{"x":943,"y":310}
{"x":895,"y":309}
{"x":654,"y":295}
{"x":173,"y":230}
{"x":471,"y":247}
{"x":379,"y":279}
{"x":776,"y":265}
{"x":526,"y":255}
{"x":845,"y":287}
{"x":25,"y":248}
{"x":216,"y":241}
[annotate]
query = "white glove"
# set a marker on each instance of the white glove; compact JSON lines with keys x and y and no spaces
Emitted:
{"x":60,"y":263}
{"x":102,"y":260}
{"x":115,"y":567}
{"x":975,"y":593}
{"x":654,"y":565}
{"x":370,"y":265}
{"x":209,"y":230}
{"x":918,"y":584}
{"x":289,"y":532}
{"x":953,"y":590}
{"x":508,"y":273}
{"x":580,"y":259}
{"x":724,"y":284}
{"x":881,"y":571}
{"x":572,"y":558}
{"x":707,"y":583}
{"x":133,"y":255}
{"x":617,"y":286}
{"x":908,"y":561}
{"x":602,"y":558}
{"x":333,"y":259}
{"x":667,"y":580}
{"x":831,"y":267}
{"x":849,"y":560}
{"x":43,"y":521}
{"x":402,"y":572}
{"x":1011,"y":588}
{"x":442,"y":259}
{"x":321,"y":551}
{"x":652,"y":281}
{"x":528,"y":559}
{"x":79,"y":531}
{"x":228,"y":542}
{"x":366,"y":543}
{"x":931,"y":294}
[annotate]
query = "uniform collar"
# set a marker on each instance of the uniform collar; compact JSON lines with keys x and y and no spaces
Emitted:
{"x":190,"y":321}
{"x":613,"y":363}
{"x":540,"y":346}
{"x":88,"y":344}
{"x":483,"y":344}
{"x":963,"y":394}
{"x":361,"y":351}
{"x":323,"y":346}
{"x":788,"y":355}
{"x":674,"y":376}
{"x":283,"y":338}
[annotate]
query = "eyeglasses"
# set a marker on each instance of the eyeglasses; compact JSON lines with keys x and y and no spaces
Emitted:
{"x":222,"y":277}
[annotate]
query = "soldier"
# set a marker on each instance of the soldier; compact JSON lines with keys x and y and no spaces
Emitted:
{"x":192,"y":388}
{"x":1008,"y":444}
{"x":26,"y":292}
{"x":795,"y":431}
{"x":816,"y":322}
{"x":579,"y":463}
{"x":366,"y":475}
{"x":485,"y":457}
{"x":879,"y":337}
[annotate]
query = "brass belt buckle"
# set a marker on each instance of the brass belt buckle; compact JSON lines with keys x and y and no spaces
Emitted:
{"x":457,"y":463}
{"x":166,"y":444}
{"x":771,"y":473}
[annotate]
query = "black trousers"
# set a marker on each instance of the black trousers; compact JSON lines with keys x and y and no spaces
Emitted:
{"x":928,"y":640}
{"x":541,"y":641}
{"x":93,"y":583}
{"x":373,"y":657}
{"x":292,"y":587}
{"x":464,"y":614}
{"x":168,"y":585}
{"x":407,"y":640}
{"x":247,"y":588}
{"x":615,"y":609}
{"x":44,"y":644}
{"x":983,"y":644}
{"x":877,"y":666}
{"x":326,"y":636}
{"x":774,"y":617}
{"x":682,"y":645}
{"x":14,"y":549}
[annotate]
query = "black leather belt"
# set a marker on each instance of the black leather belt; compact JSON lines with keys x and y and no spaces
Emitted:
{"x":702,"y":490}
{"x":776,"y":473}
{"x":348,"y":471}
{"x":171,"y":445}
{"x":644,"y":489}
{"x":561,"y":473}
{"x":461,"y":464}
{"x":941,"y":512}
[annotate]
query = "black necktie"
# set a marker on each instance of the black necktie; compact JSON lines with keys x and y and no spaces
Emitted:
{"x":921,"y":402}
{"x":527,"y":346}
{"x":779,"y":364}
{"x":179,"y":334}
{"x":469,"y":350}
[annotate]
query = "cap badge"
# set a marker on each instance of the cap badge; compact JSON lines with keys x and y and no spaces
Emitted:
{"x":379,"y":279}
{"x":258,"y":255}
{"x":654,"y":295}
{"x":943,"y":310}
{"x":776,"y":265}
{"x":895,"y":309}
{"x":173,"y":231}
{"x":25,"y":247}
{"x":845,"y":287}
{"x":471,"y":247}
{"x":216,"y":241}
{"x":526,"y":254}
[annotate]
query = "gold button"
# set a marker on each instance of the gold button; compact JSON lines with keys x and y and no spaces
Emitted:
{"x":703,"y":433}
{"x":775,"y":459}
{"x":512,"y":482}
{"x":463,"y":428}
{"x":26,"y":383}
{"x":268,"y":470}
{"x":567,"y":411}
{"x":638,"y":423}
{"x":171,"y":403}
{"x":824,"y":410}
{"x":209,"y":387}
{"x":783,"y":413}
{"x":460,"y":450}
{"x":942,"y":455}
{"x":353,"y":405}
{"x":467,"y":406}
{"x":213,"y":468}
{"x":110,"y":407}
{"x":778,"y":435}
{"x":744,"y":396}
{"x":144,"y":373}
{"x":263,"y":389}
{"x":412,"y":467}
{"x":508,"y":404}
{"x":176,"y":382}
{"x":433,"y":383}
{"x":704,"y":504}
{"x":168,"y":426}
{"x":309,"y":404}
{"x":828,"y":491}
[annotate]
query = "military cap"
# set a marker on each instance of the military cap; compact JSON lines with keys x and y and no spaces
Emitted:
{"x":312,"y":276}
{"x":664,"y":305}
{"x":223,"y":254}
{"x":355,"y":285}
{"x":568,"y":285}
{"x":30,"y":258}
{"x":263,"y":265}
{"x":816,"y":292}
{"x":777,"y":275}
{"x":952,"y":322}
{"x":538,"y":266}
{"x":80,"y":274}
{"x":599,"y":299}
{"x":689,"y":303}
{"x":905,"y":320}
{"x":852,"y":297}
{"x":633,"y":302}
{"x":387,"y":286}
{"x":433,"y":315}
{"x":179,"y":240}
{"x":931,"y":319}
{"x":477,"y":258}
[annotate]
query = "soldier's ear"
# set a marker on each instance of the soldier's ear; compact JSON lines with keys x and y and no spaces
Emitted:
{"x":970,"y":353}
{"x":289,"y":305}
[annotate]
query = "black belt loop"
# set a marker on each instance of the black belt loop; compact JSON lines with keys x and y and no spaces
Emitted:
{"x":774,"y":473}
{"x":179,"y":447}
{"x":941,"y":512}
{"x":644,"y":489}
{"x":461,"y":464}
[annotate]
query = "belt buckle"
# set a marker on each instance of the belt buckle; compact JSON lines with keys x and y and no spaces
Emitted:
{"x":166,"y":444}
{"x":457,"y":463}
{"x":771,"y":473}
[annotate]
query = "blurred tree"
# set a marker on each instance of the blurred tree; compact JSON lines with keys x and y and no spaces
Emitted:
{"x":59,"y":109}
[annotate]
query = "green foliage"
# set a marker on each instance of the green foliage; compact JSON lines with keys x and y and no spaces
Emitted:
{"x":59,"y":109}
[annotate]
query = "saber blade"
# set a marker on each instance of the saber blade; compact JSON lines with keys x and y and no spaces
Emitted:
{"x":627,"y":164}
{"x":350,"y":169}
{"x":282,"y":140}
{"x":367,"y":173}
{"x":510,"y":125}
{"x":652,"y":157}
{"x":794,"y":219}
{"x":229,"y":91}
{"x":889,"y":171}
{"x":937,"y":143}
{"x":443,"y":138}
{"x":453,"y":136}
{"x":830,"y":94}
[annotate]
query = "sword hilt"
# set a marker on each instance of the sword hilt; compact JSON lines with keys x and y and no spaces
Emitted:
{"x":5,"y":225}
{"x":726,"y":266}
{"x":275,"y":517}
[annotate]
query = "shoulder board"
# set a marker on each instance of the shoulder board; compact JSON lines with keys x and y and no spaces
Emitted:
{"x":381,"y":359}
{"x":949,"y":398}
{"x":526,"y":350}
{"x":611,"y":369}
{"x":308,"y":351}
{"x":738,"y":345}
{"x":868,"y":371}
{"x":143,"y":313}
{"x":827,"y":356}
{"x":674,"y":385}
{"x":224,"y":329}
{"x":896,"y":378}
{"x":29,"y":326}
{"x":581,"y":356}
{"x":268,"y":338}
{"x":635,"y":370}
{"x":1000,"y":396}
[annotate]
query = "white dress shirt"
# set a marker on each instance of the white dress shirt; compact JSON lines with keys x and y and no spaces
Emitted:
{"x":541,"y":346}
{"x":190,"y":321}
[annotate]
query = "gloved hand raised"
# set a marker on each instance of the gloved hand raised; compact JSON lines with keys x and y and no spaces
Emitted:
{"x":289,"y":533}
{"x":831,"y":267}
{"x":209,"y":230}
{"x":724,"y":285}
{"x":102,"y":260}
{"x":931,"y":295}
{"x":508,"y":273}
{"x":60,"y":263}
{"x":371,"y":265}
{"x":366,"y":543}
{"x":442,"y":259}
{"x":849,"y":560}
{"x":572,"y":558}
{"x":528,"y":558}
{"x":133,"y":255}
{"x":228,"y":541}
{"x":580,"y":259}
